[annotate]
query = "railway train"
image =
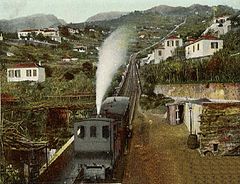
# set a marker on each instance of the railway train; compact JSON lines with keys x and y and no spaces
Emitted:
{"x":100,"y":141}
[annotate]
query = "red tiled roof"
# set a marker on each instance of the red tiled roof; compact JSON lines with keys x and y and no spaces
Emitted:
{"x":208,"y":37}
{"x":173,"y":37}
{"x":26,"y":65}
{"x":31,"y":30}
{"x":49,"y":30}
{"x":204,"y":37}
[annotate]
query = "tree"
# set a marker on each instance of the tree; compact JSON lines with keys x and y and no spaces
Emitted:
{"x":40,"y":37}
{"x":64,"y":31}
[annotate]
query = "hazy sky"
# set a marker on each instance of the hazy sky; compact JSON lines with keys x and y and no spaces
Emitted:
{"x":80,"y":10}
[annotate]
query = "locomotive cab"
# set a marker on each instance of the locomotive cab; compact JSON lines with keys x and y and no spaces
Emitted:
{"x":98,"y":142}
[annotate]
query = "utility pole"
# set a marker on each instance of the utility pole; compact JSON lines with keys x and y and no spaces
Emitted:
{"x":190,"y":117}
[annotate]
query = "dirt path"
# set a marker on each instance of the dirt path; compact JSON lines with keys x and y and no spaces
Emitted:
{"x":159,"y":155}
{"x":149,"y":160}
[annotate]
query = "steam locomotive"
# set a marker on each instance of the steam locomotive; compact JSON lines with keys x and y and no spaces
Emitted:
{"x":100,"y":141}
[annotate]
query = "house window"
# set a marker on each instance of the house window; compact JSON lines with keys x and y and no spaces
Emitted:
{"x":29,"y":73}
{"x":105,"y":132}
{"x":159,"y":52}
{"x":188,"y":50}
{"x":11,"y":73}
{"x":93,"y":131}
{"x":177,"y":43}
{"x":214,"y":45}
{"x":193,"y":48}
{"x":34,"y":73}
{"x":81,"y":132}
{"x":17,"y":73}
{"x":168,"y":44}
{"x":172,"y":43}
{"x":198,"y":46}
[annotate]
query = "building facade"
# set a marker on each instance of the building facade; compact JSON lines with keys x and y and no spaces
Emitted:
{"x":81,"y":49}
{"x":203,"y":47}
{"x":220,"y":26}
{"x":30,"y":33}
{"x":167,"y":49}
{"x":26,"y":72}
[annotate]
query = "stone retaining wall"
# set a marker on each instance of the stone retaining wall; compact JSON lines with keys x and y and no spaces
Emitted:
{"x":223,"y":91}
{"x":220,"y":126}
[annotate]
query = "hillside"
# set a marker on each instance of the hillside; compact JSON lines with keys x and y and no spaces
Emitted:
{"x":106,"y":16}
{"x":160,"y":16}
{"x":30,"y":22}
{"x":181,"y":11}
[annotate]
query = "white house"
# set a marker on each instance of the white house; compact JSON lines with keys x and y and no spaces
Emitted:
{"x":26,"y":72}
{"x":48,"y":32}
{"x":52,"y":33}
{"x":163,"y":50}
{"x":73,"y":30}
{"x":166,"y":50}
{"x":69,"y":59}
{"x":81,"y":49}
{"x":220,"y":26}
{"x":27,"y":33}
{"x":204,"y":46}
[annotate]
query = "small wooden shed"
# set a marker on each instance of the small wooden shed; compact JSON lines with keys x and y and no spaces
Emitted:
{"x":175,"y":113}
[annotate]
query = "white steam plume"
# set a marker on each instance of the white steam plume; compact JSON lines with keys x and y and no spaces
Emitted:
{"x":112,"y":55}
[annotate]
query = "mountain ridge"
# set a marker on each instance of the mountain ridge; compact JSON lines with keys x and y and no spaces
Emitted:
{"x":35,"y":21}
{"x":106,"y":16}
{"x":164,"y":10}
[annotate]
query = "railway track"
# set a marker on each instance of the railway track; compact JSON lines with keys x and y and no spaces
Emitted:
{"x":131,"y":85}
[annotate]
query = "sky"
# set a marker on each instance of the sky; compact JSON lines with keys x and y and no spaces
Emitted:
{"x":79,"y":10}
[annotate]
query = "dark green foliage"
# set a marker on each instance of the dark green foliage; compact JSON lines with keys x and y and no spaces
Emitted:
{"x":10,"y":36}
{"x":88,"y":69}
{"x":64,"y":31}
{"x":222,"y":10}
{"x":154,"y":101}
{"x":220,"y":68}
{"x":68,"y":76}
{"x":48,"y":71}
{"x":39,"y":37}
{"x":195,"y":25}
{"x":232,"y":41}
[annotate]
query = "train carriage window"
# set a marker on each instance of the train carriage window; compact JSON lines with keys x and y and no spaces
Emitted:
{"x":93,"y":131}
{"x":81,"y":132}
{"x":105,"y":132}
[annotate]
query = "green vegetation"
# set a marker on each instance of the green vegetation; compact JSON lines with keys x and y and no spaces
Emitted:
{"x":194,"y":26}
{"x":141,"y":19}
{"x":154,"y":101}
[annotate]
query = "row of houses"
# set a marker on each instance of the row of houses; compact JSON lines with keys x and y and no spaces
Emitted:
{"x":29,"y":34}
{"x":204,"y":46}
